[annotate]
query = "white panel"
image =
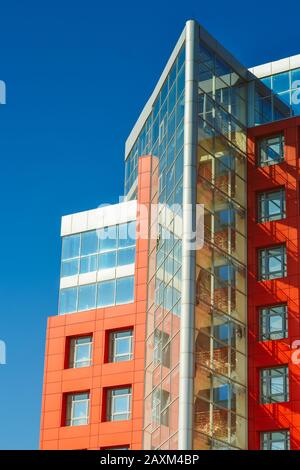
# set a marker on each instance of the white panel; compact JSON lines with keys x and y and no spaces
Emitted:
{"x":79,"y":222}
{"x":262,"y":70}
{"x":106,"y":274}
{"x":280,"y":65}
{"x":69,"y":281}
{"x":87,"y":278}
{"x":95,"y":219}
{"x":123,"y":271}
{"x":295,"y":62}
{"x":66,"y":225}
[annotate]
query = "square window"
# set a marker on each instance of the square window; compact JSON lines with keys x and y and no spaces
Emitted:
{"x":272,"y":263}
{"x":69,"y":267}
{"x":108,"y":238}
{"x":88,"y":264}
{"x":277,"y":440}
{"x":274,"y":385}
{"x":107,"y":260}
{"x":120,"y":345}
{"x":119,"y":404}
{"x":271,"y":205}
{"x":80,"y":354}
{"x":126,"y":256}
{"x":125,"y":290}
{"x":273,"y":322}
{"x":271,"y":150}
{"x":77,"y":412}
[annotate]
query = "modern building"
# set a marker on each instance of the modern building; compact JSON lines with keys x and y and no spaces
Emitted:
{"x":167,"y":342}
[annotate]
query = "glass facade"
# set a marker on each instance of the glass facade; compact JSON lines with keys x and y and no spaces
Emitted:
{"x":277,"y":97}
{"x":98,"y":295}
{"x":97,"y":250}
{"x":220,"y":312}
{"x":162,"y":136}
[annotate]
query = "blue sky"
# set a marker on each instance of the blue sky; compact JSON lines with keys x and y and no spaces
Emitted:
{"x":77,"y":75}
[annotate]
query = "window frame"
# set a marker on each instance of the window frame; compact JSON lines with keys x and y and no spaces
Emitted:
{"x":266,"y":380}
{"x":70,"y":400}
{"x":267,"y":335}
{"x":263,"y":271}
{"x":262,"y":198}
{"x":264,"y":140}
{"x":74,"y":347}
{"x":110,"y":400}
{"x":266,"y":438}
{"x":112,"y":354}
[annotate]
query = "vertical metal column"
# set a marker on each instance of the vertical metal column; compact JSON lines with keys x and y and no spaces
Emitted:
{"x":188,"y":282}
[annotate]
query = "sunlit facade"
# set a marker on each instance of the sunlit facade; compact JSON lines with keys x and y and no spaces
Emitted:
{"x":200,"y":335}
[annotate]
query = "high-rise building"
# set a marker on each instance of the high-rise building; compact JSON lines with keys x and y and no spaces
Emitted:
{"x":164,"y":342}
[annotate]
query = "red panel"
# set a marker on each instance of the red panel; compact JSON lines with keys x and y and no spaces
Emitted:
{"x":271,"y":353}
{"x":101,"y":375}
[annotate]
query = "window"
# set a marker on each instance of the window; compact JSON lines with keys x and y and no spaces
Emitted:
{"x":68,"y":300}
{"x":277,"y":440}
{"x":273,"y":322}
{"x":106,"y":293}
{"x":274,"y":385}
{"x":119,"y":404}
{"x":80,"y":352}
{"x":271,"y":205}
{"x":87,"y":297}
{"x":98,"y":249}
{"x":77,"y":409}
{"x":125,"y":290}
{"x":160,"y":407}
{"x":271,"y":150}
{"x":161,"y":353}
{"x":272,"y":262}
{"x":120,"y":345}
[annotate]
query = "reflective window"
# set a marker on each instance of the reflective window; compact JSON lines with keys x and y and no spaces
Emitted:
{"x":106,"y":293}
{"x":89,"y":242}
{"x":273,"y":322}
{"x":125,"y":290}
{"x":271,"y":150}
{"x":272,"y":262}
{"x":115,"y":245}
{"x":277,"y":440}
{"x":68,"y":300}
{"x":271,"y":205}
{"x":80,"y":352}
{"x":71,"y":246}
{"x":274,"y":385}
{"x":120,"y":346}
{"x":87,"y":297}
{"x":77,"y":409}
{"x":119,"y":404}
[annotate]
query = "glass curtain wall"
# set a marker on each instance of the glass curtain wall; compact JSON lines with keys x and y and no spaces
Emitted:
{"x":162,"y":137}
{"x":220,"y":312}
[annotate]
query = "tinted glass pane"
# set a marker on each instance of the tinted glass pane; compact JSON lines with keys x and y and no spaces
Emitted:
{"x":89,"y":242}
{"x":87,"y":297}
{"x":107,"y":260}
{"x":106,"y":293}
{"x":127,"y":234}
{"x":68,"y":300}
{"x":69,"y":267}
{"x":126,"y":256}
{"x":88,"y":264}
{"x":125,"y":288}
{"x":108,"y":238}
{"x":71,"y":246}
{"x":281,"y":82}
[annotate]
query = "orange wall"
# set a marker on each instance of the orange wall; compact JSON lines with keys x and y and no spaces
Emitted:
{"x":271,"y":417}
{"x":58,"y":380}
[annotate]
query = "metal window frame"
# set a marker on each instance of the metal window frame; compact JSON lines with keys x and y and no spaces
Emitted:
{"x":113,"y":356}
{"x":266,"y":313}
{"x":263,"y":200}
{"x":111,"y":400}
{"x":71,"y":399}
{"x":263,"y":145}
{"x":266,"y":379}
{"x":266,"y":438}
{"x":263,"y":258}
{"x":74,"y":349}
